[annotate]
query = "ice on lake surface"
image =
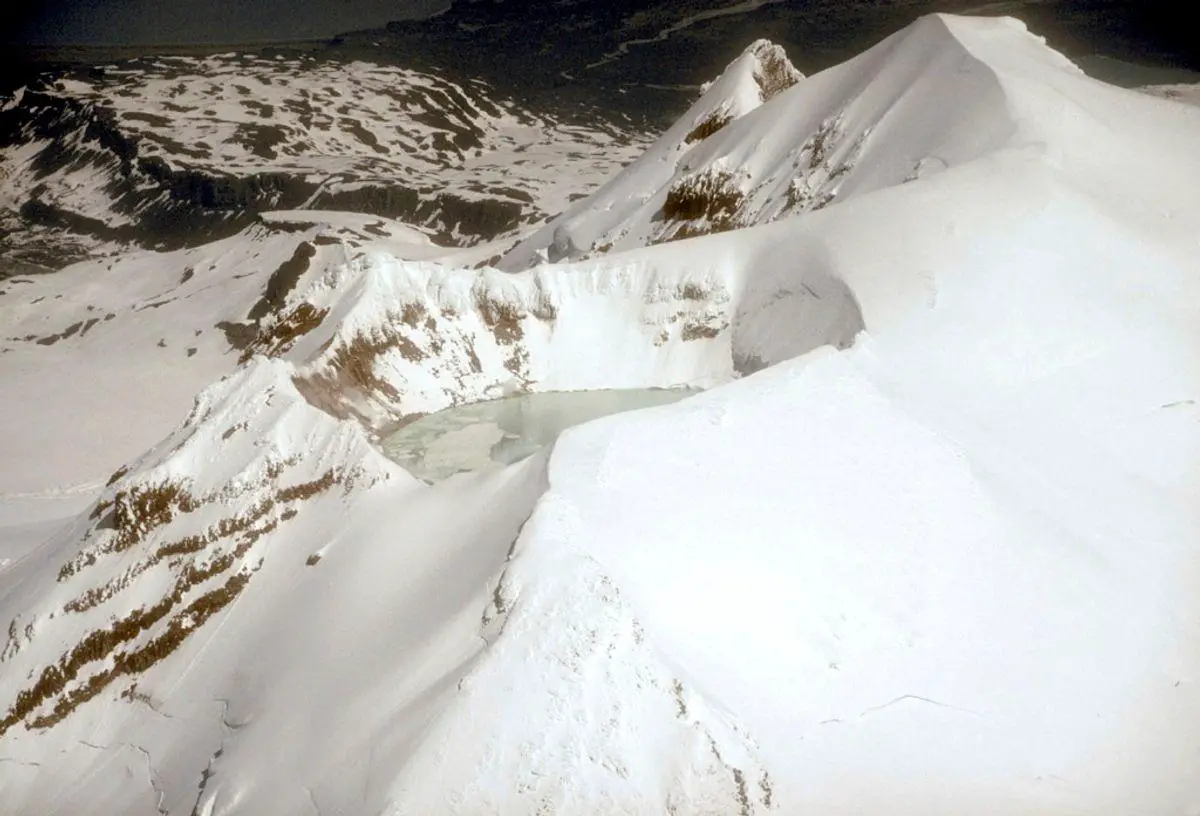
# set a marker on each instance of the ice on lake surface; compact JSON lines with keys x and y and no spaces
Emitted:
{"x":503,"y":431}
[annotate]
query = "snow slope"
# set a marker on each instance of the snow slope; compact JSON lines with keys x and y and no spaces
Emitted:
{"x":600,"y":221}
{"x":112,"y":352}
{"x":928,"y":544}
{"x":859,"y":127}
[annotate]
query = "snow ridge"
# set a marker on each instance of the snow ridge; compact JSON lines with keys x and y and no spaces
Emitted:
{"x":862,"y":126}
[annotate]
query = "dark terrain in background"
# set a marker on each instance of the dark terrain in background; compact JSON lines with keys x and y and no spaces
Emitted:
{"x":154,"y":22}
{"x":535,"y":45}
{"x":548,"y":45}
{"x":636,"y":63}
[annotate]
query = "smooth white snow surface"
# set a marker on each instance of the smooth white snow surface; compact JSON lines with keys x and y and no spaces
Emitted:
{"x":928,"y":544}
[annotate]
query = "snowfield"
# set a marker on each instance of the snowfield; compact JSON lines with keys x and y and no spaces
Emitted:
{"x":929,"y":543}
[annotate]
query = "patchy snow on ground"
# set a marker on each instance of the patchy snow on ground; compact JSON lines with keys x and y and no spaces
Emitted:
{"x":165,"y":152}
{"x":928,"y":543}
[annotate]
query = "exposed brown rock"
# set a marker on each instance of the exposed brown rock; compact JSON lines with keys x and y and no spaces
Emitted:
{"x":708,"y":126}
{"x":774,"y":75}
{"x":137,"y":512}
{"x":279,"y":336}
{"x":701,"y":331}
{"x":709,"y":195}
{"x":503,"y":318}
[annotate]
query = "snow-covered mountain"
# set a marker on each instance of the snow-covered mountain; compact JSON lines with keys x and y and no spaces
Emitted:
{"x":173,"y":151}
{"x":746,"y":154}
{"x":927,"y":544}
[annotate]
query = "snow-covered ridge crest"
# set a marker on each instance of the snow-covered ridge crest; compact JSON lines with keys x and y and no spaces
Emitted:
{"x":593,"y":685}
{"x":760,"y":73}
{"x":925,"y":99}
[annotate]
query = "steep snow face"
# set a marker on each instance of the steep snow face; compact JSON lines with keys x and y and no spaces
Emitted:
{"x":916,"y":104}
{"x":935,"y":551}
{"x":173,"y":151}
{"x":759,"y":74}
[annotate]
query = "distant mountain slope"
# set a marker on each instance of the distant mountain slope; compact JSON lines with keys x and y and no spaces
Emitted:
{"x":173,"y":151}
{"x":927,"y":545}
{"x":1186,"y":93}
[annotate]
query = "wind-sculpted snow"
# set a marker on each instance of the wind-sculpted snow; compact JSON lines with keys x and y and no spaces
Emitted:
{"x":173,"y":151}
{"x":928,"y":544}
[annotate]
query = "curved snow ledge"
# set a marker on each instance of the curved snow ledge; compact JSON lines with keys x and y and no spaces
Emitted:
{"x":415,"y":338}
